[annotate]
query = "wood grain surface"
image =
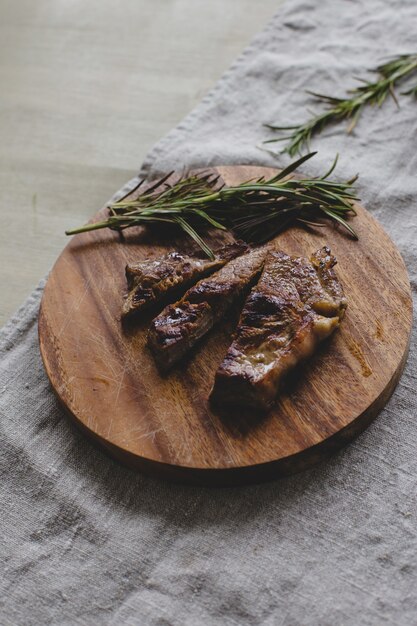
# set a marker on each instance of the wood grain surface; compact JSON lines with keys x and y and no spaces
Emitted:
{"x":107,"y":380}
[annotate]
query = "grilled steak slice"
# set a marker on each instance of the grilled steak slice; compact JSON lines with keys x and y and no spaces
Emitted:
{"x":334,"y":301}
{"x":178,"y":328}
{"x":315,"y":281}
{"x":294,"y":306}
{"x":153,"y":283}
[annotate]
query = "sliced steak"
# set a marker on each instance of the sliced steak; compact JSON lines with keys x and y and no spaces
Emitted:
{"x":178,"y":328}
{"x":295,"y":305}
{"x":153,"y":283}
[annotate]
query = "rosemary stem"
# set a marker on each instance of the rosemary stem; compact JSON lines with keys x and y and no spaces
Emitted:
{"x":87,"y":227}
{"x":350,"y":107}
{"x":255,"y":210}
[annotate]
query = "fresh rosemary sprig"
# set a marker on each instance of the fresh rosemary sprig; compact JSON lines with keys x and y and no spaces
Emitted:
{"x":349,"y":108}
{"x":256,"y":210}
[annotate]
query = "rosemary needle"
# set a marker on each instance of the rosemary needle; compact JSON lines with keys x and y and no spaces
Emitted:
{"x":350,"y":107}
{"x":256,"y":210}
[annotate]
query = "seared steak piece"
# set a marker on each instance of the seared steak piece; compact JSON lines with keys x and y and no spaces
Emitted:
{"x":315,"y":281}
{"x":178,"y":328}
{"x":153,"y":283}
{"x":295,"y":305}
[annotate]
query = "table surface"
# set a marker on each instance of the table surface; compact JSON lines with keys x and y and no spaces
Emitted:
{"x":87,"y":89}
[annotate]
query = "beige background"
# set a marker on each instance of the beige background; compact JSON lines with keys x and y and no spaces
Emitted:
{"x":86,"y":88}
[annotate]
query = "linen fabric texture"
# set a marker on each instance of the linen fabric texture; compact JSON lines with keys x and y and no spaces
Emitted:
{"x":86,"y":541}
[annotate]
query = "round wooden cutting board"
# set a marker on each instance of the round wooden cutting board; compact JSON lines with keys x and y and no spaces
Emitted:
{"x":107,"y":380}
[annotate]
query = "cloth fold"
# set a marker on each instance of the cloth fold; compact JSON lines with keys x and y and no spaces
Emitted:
{"x":86,"y":541}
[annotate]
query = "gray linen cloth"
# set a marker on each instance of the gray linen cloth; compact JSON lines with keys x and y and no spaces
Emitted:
{"x":86,"y":541}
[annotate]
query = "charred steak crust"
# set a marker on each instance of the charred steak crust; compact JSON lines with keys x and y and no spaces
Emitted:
{"x":181,"y":325}
{"x":323,"y":261}
{"x":295,"y":305}
{"x":153,"y":283}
